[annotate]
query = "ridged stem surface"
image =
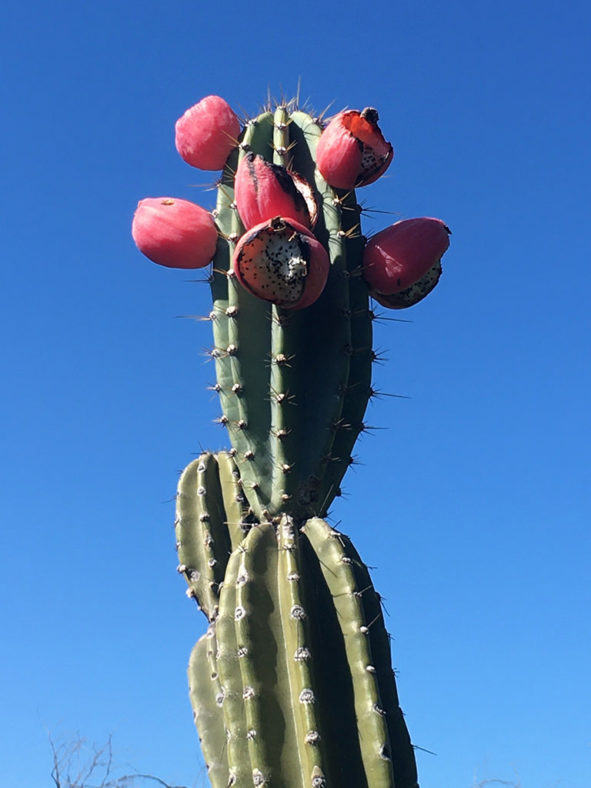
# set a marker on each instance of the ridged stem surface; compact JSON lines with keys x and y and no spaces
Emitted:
{"x":293,"y":384}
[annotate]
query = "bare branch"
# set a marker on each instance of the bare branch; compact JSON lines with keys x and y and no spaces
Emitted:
{"x":55,"y":772}
{"x":96,"y":770}
{"x":151,"y":777}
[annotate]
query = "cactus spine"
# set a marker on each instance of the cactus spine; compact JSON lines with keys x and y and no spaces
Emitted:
{"x":292,"y":684}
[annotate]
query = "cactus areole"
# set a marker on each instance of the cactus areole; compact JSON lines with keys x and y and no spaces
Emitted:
{"x":292,"y":685}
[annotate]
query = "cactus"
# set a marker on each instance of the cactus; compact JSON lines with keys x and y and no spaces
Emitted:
{"x":292,"y":684}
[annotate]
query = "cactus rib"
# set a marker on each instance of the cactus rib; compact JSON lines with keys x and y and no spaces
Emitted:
{"x":340,"y":578}
{"x":206,"y":697}
{"x":203,"y":541}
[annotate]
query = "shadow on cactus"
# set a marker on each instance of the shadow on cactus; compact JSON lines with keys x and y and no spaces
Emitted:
{"x":292,"y":685}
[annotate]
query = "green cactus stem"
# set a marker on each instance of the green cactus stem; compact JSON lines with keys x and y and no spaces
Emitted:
{"x":374,"y":655}
{"x":301,"y":679}
{"x":205,"y":692}
{"x":293,"y":386}
{"x":212,"y":517}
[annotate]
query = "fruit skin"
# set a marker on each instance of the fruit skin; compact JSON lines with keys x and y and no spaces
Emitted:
{"x":308,"y":273}
{"x":175,"y":233}
{"x":263,"y":190}
{"x":206,"y":133}
{"x":403,"y":254}
{"x":413,"y":294}
{"x":352,"y":150}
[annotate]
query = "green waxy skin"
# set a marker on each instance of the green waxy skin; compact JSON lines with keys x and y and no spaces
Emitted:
{"x":351,"y":310}
{"x":232,"y":689}
{"x":241,"y":327}
{"x":340,"y":580}
{"x":387,"y":751}
{"x":212,"y":517}
{"x":239,"y":516}
{"x":205,"y":691}
{"x":403,"y":759}
{"x":202,"y":537}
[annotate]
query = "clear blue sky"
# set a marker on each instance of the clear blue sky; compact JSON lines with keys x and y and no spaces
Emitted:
{"x":473,"y":506}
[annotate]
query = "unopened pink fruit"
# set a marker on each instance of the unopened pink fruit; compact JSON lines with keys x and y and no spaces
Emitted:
{"x":352,"y":150}
{"x":206,"y":133}
{"x":402,"y":263}
{"x":282,"y":262}
{"x":175,"y":233}
{"x":263,"y":190}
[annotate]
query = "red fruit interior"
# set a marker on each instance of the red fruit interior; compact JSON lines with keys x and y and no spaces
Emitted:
{"x":362,"y":128}
{"x":376,"y":150}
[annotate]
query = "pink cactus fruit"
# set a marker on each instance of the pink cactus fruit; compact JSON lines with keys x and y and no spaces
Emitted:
{"x":206,"y":133}
{"x":402,"y":263}
{"x":263,"y":190}
{"x":175,"y":233}
{"x":352,"y":150}
{"x":281,"y":261}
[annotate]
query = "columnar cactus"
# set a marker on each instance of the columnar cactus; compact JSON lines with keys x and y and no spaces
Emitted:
{"x":292,"y":685}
